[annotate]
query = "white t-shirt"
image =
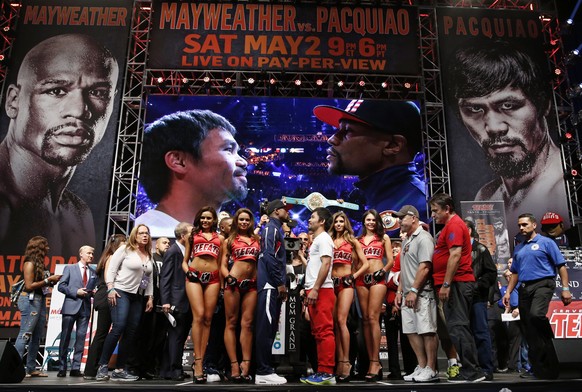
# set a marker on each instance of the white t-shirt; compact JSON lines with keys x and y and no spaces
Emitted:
{"x":322,"y":246}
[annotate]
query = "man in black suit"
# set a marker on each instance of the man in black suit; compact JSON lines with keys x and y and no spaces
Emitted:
{"x":173,"y":294}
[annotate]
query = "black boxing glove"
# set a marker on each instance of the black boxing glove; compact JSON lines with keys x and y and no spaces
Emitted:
{"x":192,"y":277}
{"x":379,"y":275}
{"x":348,"y":281}
{"x":231,"y":281}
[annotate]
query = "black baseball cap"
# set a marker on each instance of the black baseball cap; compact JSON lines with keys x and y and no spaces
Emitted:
{"x":392,"y":117}
{"x":276,"y":204}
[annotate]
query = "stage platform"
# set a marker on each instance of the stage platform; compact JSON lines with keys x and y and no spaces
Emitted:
{"x":501,"y":383}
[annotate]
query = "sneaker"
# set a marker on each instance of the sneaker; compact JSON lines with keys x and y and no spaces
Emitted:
{"x":426,"y":375}
{"x":270,"y":379}
{"x":321,"y":379}
{"x":102,"y":373}
{"x":453,"y":371}
{"x":212,"y":378}
{"x":416,"y":372}
{"x":303,"y":379}
{"x":460,"y":378}
{"x":478,"y":377}
{"x":123,"y":375}
{"x":89,"y":378}
{"x":527,"y":375}
{"x":488,"y":376}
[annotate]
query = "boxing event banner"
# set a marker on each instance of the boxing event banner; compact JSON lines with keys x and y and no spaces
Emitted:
{"x":284,"y":37}
{"x":58,"y":128}
{"x":489,"y":221}
{"x":500,"y":122}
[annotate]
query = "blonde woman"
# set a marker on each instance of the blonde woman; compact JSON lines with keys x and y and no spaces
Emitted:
{"x":129,"y":277}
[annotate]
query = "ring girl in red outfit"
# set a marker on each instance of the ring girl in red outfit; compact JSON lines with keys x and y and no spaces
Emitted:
{"x":347,"y":258}
{"x":240,"y":290}
{"x":203,"y":281}
{"x":371,"y":286}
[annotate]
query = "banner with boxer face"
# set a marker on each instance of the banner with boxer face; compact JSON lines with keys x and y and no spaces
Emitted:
{"x":58,"y":129}
{"x":501,"y":127}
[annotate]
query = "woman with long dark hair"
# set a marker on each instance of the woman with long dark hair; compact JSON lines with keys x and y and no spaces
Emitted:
{"x":349,"y":263}
{"x":203,"y":286}
{"x":240,"y":290}
{"x":101,"y":306}
{"x":129,"y":276}
{"x":371,"y":286}
{"x":32,"y":302}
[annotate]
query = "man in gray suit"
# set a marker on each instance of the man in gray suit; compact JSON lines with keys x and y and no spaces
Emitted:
{"x":77,"y":284}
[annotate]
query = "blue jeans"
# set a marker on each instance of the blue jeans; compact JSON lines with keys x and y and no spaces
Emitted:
{"x":480,"y":329}
{"x":32,"y":324}
{"x":125,"y":318}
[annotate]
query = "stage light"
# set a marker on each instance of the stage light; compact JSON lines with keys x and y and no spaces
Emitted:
{"x":6,"y":28}
{"x":361,"y":83}
{"x":160,"y":80}
{"x":251,"y":81}
{"x":297,"y":82}
{"x":272,"y":81}
{"x":570,"y":22}
{"x":567,"y":137}
{"x":557,"y":71}
{"x":572,"y":57}
{"x":206,"y":79}
{"x":228,"y":81}
{"x":319,"y":82}
{"x":573,"y":174}
{"x":340,"y":83}
{"x":574,"y":92}
{"x":384,"y":84}
{"x":184,"y":80}
{"x":2,"y":57}
{"x":407,"y":85}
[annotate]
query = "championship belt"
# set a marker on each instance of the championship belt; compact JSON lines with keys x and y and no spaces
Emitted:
{"x":316,"y":199}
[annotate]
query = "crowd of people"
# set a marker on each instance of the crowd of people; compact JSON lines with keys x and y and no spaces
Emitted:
{"x":230,"y":274}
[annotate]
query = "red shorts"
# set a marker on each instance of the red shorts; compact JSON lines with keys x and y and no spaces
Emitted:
{"x":339,"y":284}
{"x":243,"y":286}
{"x":368,"y":281}
{"x":204,"y":278}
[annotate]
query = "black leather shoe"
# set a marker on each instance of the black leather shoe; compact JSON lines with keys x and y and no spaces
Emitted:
{"x":76,"y":373}
{"x":62,"y":373}
{"x":179,"y":377}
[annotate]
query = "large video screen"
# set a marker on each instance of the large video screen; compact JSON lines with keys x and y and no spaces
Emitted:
{"x":286,"y":148}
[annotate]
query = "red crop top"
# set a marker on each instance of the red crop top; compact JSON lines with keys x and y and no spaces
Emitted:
{"x":204,"y":247}
{"x":374,"y":250}
{"x":241,"y":251}
{"x":343,"y":253}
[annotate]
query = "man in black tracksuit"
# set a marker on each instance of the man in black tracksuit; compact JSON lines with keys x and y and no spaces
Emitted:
{"x":485,"y":276}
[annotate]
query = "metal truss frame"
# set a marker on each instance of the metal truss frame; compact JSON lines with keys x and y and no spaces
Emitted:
{"x":139,"y":82}
{"x":426,"y":88}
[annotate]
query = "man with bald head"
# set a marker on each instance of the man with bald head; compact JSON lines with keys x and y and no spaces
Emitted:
{"x":59,"y":109}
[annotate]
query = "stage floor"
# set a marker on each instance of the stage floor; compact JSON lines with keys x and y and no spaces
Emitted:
{"x":502,"y":382}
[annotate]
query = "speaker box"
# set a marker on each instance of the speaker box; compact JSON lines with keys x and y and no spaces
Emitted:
{"x":11,"y":369}
{"x":569,"y":352}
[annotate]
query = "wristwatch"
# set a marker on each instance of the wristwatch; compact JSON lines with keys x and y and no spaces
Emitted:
{"x":446,"y":285}
{"x":316,"y":199}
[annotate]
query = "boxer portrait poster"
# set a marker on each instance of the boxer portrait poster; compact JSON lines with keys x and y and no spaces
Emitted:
{"x":500,"y":115}
{"x":61,"y":101}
